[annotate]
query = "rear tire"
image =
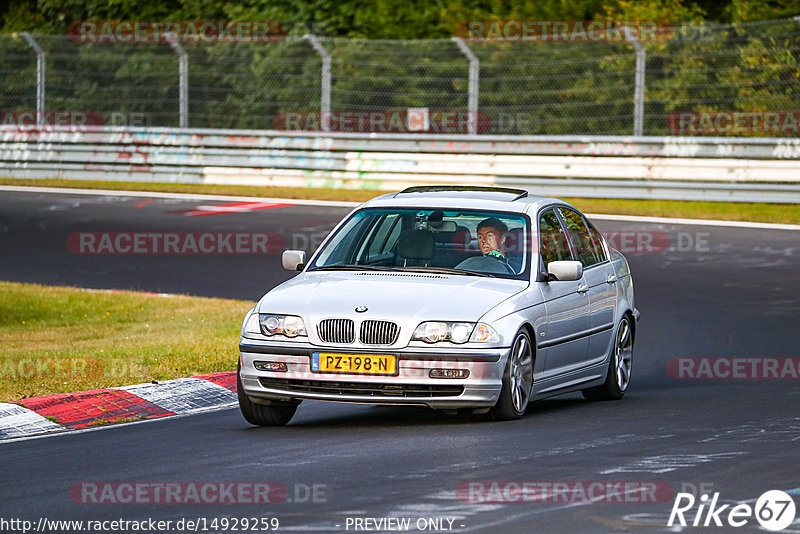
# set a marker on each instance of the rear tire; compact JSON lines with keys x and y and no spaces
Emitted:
{"x":276,"y":414}
{"x":620,"y":364}
{"x":517,"y":381}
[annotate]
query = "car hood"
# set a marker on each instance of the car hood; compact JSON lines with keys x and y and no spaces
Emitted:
{"x":396,"y":296}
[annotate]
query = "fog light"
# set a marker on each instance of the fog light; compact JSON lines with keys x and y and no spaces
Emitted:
{"x":278,"y":367}
{"x":448,"y":373}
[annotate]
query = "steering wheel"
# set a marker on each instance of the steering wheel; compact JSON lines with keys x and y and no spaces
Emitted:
{"x":485,"y":264}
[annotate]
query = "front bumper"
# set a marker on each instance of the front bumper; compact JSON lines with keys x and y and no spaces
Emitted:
{"x":412,"y":384}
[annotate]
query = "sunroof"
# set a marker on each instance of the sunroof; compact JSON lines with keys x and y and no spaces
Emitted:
{"x":488,"y":193}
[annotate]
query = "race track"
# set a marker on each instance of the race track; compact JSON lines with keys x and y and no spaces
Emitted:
{"x":732,"y":293}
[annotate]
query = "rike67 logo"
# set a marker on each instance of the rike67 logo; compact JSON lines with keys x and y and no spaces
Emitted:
{"x":774,"y":510}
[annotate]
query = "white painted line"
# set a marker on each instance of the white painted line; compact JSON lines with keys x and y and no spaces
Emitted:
{"x":16,"y":421}
{"x":695,"y":222}
{"x":183,"y":395}
{"x":185,"y":196}
{"x":668,"y":462}
{"x":342,"y":204}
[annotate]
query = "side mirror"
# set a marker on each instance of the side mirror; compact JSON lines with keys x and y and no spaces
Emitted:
{"x":294,"y":260}
{"x":564,"y":271}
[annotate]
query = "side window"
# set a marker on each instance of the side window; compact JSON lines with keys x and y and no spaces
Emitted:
{"x":383,"y":237}
{"x":598,"y":243}
{"x":552,"y":240}
{"x":580,"y":238}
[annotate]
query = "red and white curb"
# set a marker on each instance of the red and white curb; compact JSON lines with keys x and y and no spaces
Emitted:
{"x":232,"y":207}
{"x":16,"y":421}
{"x":73,"y":411}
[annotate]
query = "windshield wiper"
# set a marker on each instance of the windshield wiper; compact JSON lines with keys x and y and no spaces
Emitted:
{"x":418,"y":269}
{"x":350,"y":268}
{"x":444,"y":270}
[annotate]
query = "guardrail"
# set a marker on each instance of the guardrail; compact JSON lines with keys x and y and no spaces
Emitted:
{"x":689,"y":168}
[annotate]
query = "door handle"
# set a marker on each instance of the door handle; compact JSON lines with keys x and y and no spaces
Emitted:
{"x":583,"y":288}
{"x":611,"y":279}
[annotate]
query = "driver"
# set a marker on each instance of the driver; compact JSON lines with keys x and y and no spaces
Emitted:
{"x":492,"y":238}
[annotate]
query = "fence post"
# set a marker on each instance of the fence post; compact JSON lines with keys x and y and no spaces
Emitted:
{"x":474,"y":73}
{"x":325,"y":103}
{"x":183,"y":83}
{"x":638,"y":98}
{"x":39,"y":77}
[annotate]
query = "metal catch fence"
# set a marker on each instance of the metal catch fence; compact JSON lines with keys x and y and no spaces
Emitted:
{"x":732,"y":77}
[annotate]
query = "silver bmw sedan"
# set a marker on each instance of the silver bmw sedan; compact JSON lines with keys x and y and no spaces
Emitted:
{"x":458,"y":298}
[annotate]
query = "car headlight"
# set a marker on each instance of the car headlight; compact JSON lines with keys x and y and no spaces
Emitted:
{"x":460,"y":332}
{"x":293,"y":326}
{"x":435,"y":331}
{"x":285,"y":325}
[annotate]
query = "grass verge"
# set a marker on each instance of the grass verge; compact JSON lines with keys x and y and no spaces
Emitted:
{"x":728,"y":211}
{"x":61,"y":339}
{"x":350,"y":195}
{"x":723,"y":211}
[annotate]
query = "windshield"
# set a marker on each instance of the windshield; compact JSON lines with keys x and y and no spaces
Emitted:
{"x":460,"y":241}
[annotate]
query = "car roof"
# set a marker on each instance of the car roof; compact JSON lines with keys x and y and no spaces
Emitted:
{"x":464,"y":197}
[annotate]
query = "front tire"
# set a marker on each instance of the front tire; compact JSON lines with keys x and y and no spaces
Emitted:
{"x":517,"y":381}
{"x":618,"y":377}
{"x":276,"y":414}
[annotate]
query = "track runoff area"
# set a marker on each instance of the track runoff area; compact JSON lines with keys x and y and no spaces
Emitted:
{"x":706,"y":433}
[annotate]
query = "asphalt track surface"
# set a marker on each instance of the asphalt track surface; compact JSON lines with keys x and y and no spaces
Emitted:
{"x":735,"y":294}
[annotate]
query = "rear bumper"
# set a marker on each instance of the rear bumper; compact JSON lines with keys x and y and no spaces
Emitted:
{"x":412,"y":385}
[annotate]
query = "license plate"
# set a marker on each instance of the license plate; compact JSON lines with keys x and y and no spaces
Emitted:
{"x":360,"y":364}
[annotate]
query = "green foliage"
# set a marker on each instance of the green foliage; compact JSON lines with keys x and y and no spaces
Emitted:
{"x":755,"y":10}
{"x":23,"y":15}
{"x":106,"y":339}
{"x":381,"y":19}
{"x":409,"y":61}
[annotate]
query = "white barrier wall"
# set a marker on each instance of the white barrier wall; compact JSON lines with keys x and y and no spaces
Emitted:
{"x":760,"y":169}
